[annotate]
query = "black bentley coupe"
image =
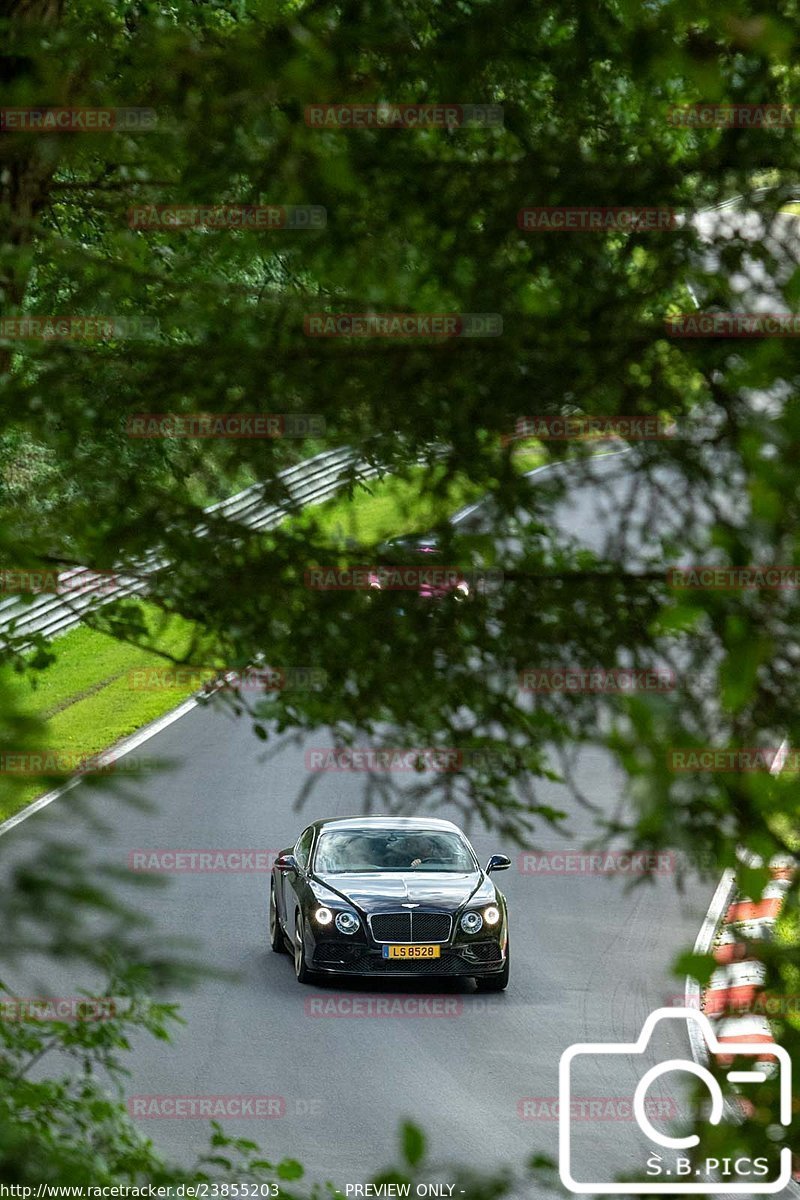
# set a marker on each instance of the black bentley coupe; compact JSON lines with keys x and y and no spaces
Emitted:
{"x":389,"y":896}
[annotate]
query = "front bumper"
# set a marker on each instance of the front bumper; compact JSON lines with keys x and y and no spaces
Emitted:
{"x":479,"y":958}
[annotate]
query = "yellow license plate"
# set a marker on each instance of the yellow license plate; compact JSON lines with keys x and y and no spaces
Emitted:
{"x":420,"y":951}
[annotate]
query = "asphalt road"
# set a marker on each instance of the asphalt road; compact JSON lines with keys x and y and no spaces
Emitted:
{"x":591,"y":959}
{"x":756,"y":284}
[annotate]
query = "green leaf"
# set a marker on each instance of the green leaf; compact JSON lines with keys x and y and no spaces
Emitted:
{"x":413,"y":1143}
{"x":289,"y":1169}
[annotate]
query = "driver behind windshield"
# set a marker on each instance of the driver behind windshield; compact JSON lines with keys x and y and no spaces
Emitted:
{"x":340,"y":852}
{"x":423,"y":851}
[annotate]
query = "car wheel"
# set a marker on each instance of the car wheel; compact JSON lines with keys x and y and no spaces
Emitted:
{"x":495,"y":983}
{"x":276,"y":939}
{"x":300,"y":969}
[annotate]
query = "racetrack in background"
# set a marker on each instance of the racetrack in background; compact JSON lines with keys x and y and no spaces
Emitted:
{"x":590,"y":959}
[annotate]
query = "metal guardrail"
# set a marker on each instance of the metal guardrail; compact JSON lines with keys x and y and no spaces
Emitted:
{"x":82,"y":590}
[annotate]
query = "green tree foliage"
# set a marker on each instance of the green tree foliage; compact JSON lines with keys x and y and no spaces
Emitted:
{"x":423,"y":221}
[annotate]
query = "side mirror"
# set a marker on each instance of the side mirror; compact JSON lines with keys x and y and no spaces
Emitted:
{"x":498,"y":862}
{"x":286,"y":862}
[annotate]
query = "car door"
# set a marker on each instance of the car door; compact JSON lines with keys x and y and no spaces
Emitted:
{"x":294,"y":885}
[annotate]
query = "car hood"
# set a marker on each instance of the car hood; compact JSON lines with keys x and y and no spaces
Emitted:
{"x":380,"y":891}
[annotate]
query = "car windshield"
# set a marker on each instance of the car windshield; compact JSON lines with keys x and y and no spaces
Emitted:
{"x":345,"y":850}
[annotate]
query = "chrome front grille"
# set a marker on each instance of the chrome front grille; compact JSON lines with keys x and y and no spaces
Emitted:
{"x":391,"y":927}
{"x":410,"y":927}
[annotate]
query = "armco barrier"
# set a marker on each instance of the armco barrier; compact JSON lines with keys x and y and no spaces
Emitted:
{"x":307,"y":482}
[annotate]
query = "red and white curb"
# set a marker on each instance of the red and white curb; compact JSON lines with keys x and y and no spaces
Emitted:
{"x":734,"y":999}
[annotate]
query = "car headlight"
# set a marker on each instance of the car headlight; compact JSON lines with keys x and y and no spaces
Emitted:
{"x":472,"y":922}
{"x":347,"y":922}
{"x":491,"y":915}
{"x":323,"y":916}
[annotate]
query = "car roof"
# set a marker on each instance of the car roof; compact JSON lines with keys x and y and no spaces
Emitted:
{"x":421,"y":542}
{"x":388,"y":823}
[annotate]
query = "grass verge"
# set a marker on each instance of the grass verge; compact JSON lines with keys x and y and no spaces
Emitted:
{"x":392,"y":506}
{"x":86,"y":699}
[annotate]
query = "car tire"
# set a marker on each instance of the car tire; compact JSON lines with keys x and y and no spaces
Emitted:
{"x":301,"y":971}
{"x":276,"y":939}
{"x":495,"y":983}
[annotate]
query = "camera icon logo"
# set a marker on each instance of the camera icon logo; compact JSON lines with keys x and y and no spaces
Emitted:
{"x":684,"y":1178}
